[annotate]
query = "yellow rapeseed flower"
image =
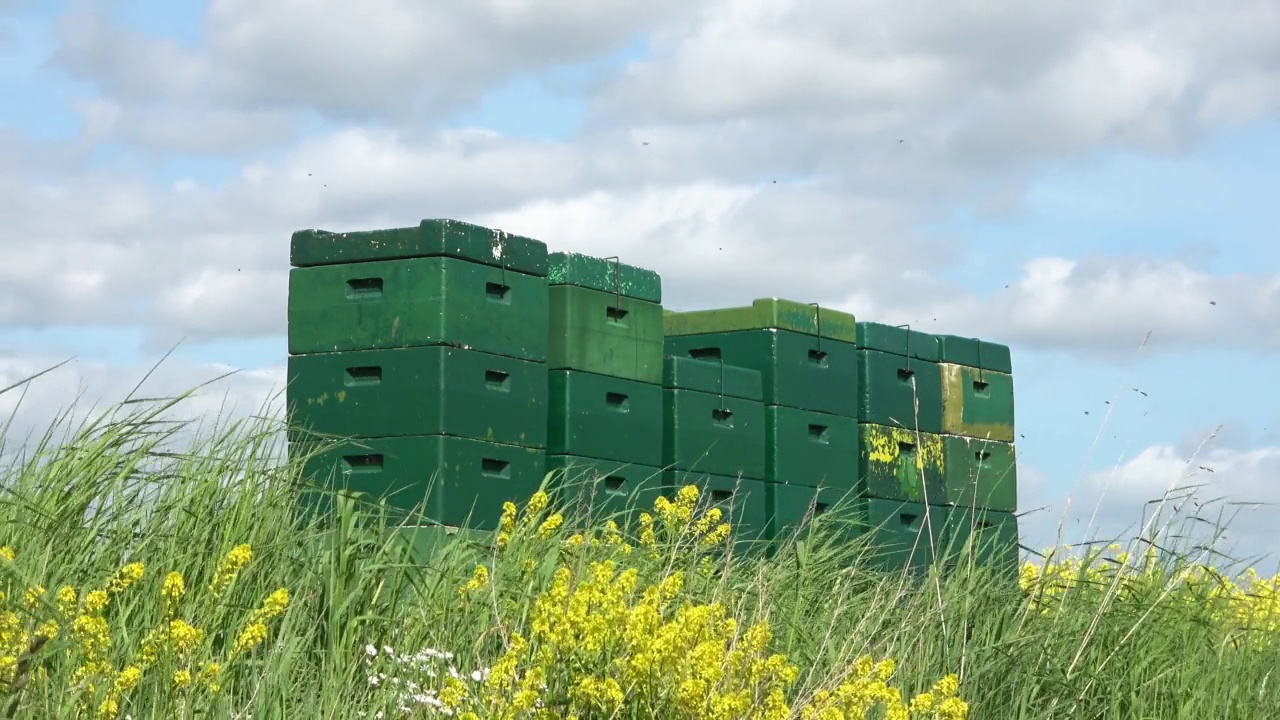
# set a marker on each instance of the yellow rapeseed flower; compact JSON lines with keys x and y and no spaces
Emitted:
{"x":125,"y":578}
{"x":550,"y":525}
{"x":172,"y":591}
{"x":275,"y":604}
{"x":251,"y":637}
{"x":96,"y":601}
{"x":183,"y":636}
{"x":479,"y":579}
{"x":231,"y":565}
{"x":66,"y":599}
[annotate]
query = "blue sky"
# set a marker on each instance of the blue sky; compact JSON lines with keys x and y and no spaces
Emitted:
{"x":1177,"y":184}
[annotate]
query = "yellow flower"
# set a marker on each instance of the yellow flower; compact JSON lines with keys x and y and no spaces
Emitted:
{"x":182,"y":679}
{"x":184,"y":637}
{"x":66,"y":599}
{"x":209,"y":676}
{"x":231,"y":565}
{"x":173,"y":589}
{"x":537,"y":503}
{"x":274,"y":605}
{"x":7,"y":553}
{"x":479,"y":579}
{"x":96,"y":601}
{"x":251,"y":637}
{"x":125,"y":578}
{"x":550,"y":525}
{"x":127,"y":680}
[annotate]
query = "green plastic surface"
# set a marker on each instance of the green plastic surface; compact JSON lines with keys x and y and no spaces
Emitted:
{"x":899,"y":392}
{"x":741,"y":501}
{"x":711,"y":434}
{"x":765,"y":313}
{"x":981,"y":474}
{"x":441,"y":479}
{"x":904,"y":536}
{"x":977,"y":403}
{"x":972,"y":352}
{"x":604,"y":489}
{"x":600,"y":333}
{"x":605,"y":417}
{"x":899,"y":464}
{"x":431,"y":390}
{"x":422,"y":301}
{"x":430,"y":238}
{"x":810,"y":449}
{"x":794,"y":510}
{"x":712,"y":376}
{"x":898,"y":341}
{"x":609,"y":276}
{"x":984,"y":537}
{"x":797,"y":370}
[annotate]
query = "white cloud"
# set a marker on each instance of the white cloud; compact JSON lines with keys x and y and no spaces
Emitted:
{"x":68,"y":396}
{"x":1113,"y":302}
{"x":1206,"y":489}
{"x":381,"y":58}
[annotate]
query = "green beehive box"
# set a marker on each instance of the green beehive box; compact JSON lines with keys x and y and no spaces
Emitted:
{"x":713,"y":434}
{"x":899,"y":341}
{"x":712,"y":376}
{"x":991,"y":537}
{"x":605,"y":417}
{"x":741,"y":501}
{"x":793,"y":509}
{"x":899,"y":464}
{"x":605,"y":488}
{"x":810,"y":449}
{"x":713,"y":418}
{"x":430,"y":238}
{"x":765,"y":314}
{"x":903,"y":536}
{"x":977,"y":403}
{"x":602,"y":333}
{"x":899,"y":392}
{"x":453,"y":481}
{"x":799,"y":371}
{"x":421,"y":301}
{"x":605,"y":275}
{"x":975,"y":353}
{"x":981,"y":474}
{"x":430,"y":390}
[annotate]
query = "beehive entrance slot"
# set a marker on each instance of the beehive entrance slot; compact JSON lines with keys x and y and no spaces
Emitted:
{"x":368,"y":375}
{"x":495,"y":468}
{"x":363,"y":463}
{"x":364,"y":287}
{"x":497,"y":292}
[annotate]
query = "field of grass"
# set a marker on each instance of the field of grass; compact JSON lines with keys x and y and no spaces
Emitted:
{"x":152,"y":573}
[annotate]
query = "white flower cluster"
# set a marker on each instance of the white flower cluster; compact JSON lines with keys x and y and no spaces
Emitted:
{"x":414,"y":678}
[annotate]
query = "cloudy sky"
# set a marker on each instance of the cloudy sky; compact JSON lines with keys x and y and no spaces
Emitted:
{"x":1086,"y":182}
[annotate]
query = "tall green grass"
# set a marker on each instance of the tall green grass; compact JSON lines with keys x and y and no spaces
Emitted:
{"x":133,"y":486}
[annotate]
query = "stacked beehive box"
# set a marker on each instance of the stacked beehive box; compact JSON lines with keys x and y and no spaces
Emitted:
{"x":927,"y":483}
{"x":605,"y":361}
{"x":464,"y":366}
{"x":714,"y":433}
{"x":806,"y":357}
{"x":426,"y":348}
{"x":978,"y":426}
